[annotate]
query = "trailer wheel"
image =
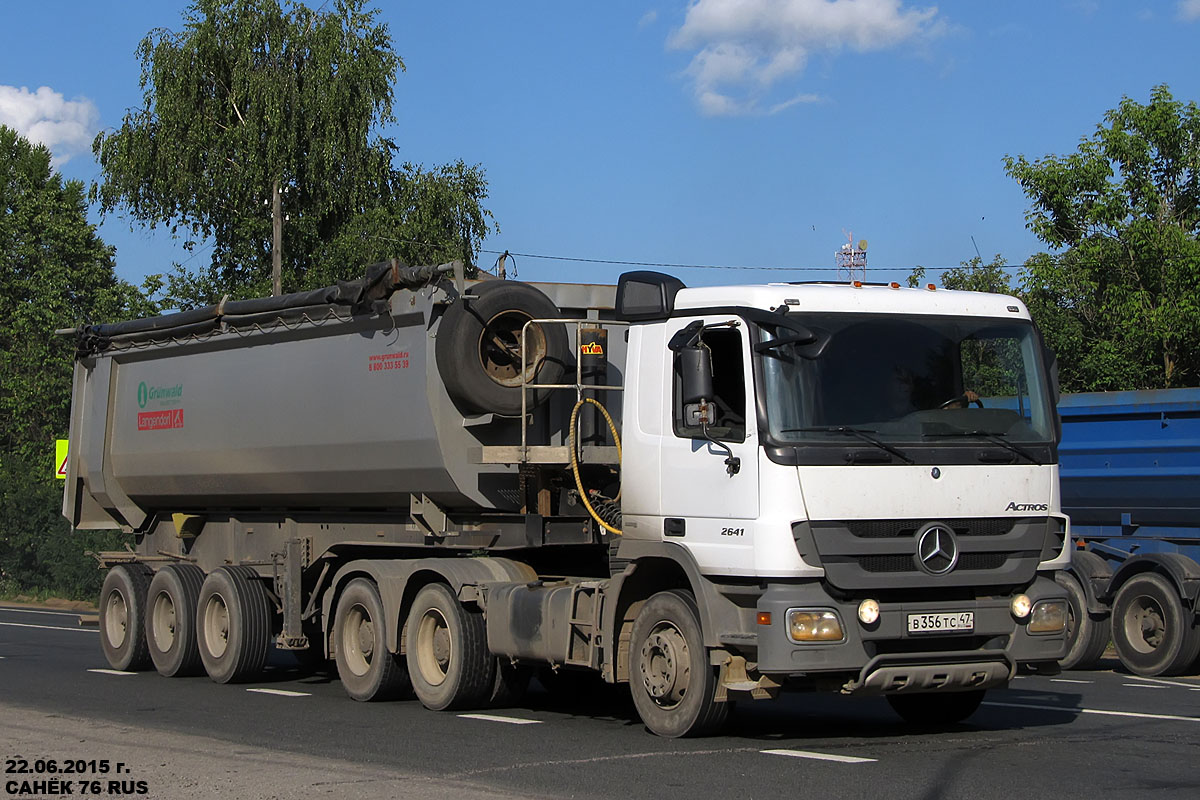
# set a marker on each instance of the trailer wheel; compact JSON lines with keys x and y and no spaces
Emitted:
{"x":672,"y":682}
{"x":479,"y":347}
{"x":1152,"y":631}
{"x":367,"y":670}
{"x":936,"y":709}
{"x":122,"y":615}
{"x":446,"y":648}
{"x":233,"y":624}
{"x":171,"y":619}
{"x":1087,"y":636}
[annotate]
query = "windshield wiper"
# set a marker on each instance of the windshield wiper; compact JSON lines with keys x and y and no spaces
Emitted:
{"x":994,"y":438}
{"x":860,"y":433}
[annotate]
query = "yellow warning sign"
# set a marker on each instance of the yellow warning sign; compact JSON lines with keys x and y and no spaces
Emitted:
{"x":60,"y":458}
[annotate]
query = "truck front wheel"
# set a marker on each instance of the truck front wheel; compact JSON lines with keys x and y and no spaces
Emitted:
{"x":368,"y":671}
{"x":1153,"y":633}
{"x":1087,"y":636}
{"x":233,"y":624}
{"x":673,"y":685}
{"x":122,"y":615}
{"x":446,"y":648}
{"x":171,"y":619}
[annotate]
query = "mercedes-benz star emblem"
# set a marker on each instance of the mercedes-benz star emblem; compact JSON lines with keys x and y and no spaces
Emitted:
{"x":937,"y":550}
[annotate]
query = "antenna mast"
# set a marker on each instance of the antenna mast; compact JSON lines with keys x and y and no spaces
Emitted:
{"x":851,"y":260}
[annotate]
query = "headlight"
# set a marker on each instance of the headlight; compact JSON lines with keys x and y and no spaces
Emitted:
{"x":814,"y":625}
{"x":868,"y":612}
{"x":1049,"y":616}
{"x":1021,"y":605}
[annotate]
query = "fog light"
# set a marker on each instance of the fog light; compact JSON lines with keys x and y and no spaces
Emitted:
{"x":814,"y":626}
{"x":1021,"y":604}
{"x":1049,"y":616}
{"x":868,"y":612}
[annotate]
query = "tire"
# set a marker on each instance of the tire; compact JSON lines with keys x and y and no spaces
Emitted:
{"x":478,"y":347}
{"x":171,"y":620}
{"x":670,"y":677}
{"x":367,"y":670}
{"x":1087,"y":635}
{"x":1153,"y":633}
{"x":936,"y":709}
{"x":122,"y":617}
{"x":233,"y":624}
{"x":446,"y":647}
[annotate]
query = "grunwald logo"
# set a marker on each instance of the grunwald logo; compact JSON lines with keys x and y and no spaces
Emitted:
{"x":162,"y":395}
{"x":1014,"y":506}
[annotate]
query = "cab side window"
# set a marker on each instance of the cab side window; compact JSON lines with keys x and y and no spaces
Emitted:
{"x":729,"y":391}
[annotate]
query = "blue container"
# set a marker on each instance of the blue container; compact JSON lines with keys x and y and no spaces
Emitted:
{"x":1130,"y":469}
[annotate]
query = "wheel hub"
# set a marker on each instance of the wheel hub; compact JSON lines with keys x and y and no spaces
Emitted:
{"x":665,"y":665}
{"x":164,"y":622}
{"x":116,"y":619}
{"x":366,"y":639}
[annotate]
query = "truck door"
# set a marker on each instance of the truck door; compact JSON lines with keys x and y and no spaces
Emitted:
{"x":708,"y":505}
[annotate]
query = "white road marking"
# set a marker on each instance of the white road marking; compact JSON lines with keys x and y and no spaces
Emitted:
{"x":819,"y":756}
{"x":1102,"y":712}
{"x":281,"y":692}
{"x":10,"y":609}
{"x":111,"y":672}
{"x":1067,"y":680}
{"x":497,"y":718}
{"x":48,"y":627}
{"x":1144,"y":685}
{"x":1164,"y":682}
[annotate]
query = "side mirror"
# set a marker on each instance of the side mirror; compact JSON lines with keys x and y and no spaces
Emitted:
{"x":695,"y":374}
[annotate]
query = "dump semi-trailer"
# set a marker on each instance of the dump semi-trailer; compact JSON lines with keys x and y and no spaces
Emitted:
{"x":703,"y":493}
{"x":1131,"y":484}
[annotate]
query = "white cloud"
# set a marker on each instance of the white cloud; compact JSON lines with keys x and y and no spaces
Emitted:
{"x":647,"y":19}
{"x":800,"y":98}
{"x":1189,"y":10}
{"x":747,"y":47}
{"x":45,"y":117}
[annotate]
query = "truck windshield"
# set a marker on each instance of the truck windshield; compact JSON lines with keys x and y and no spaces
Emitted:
{"x":907,"y":379}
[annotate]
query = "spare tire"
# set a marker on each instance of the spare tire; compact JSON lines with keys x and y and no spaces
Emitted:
{"x":479,"y":347}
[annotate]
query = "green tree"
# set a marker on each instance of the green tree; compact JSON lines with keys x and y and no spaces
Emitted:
{"x":54,"y":273}
{"x":1118,"y":299}
{"x":252,"y":95}
{"x":972,"y":276}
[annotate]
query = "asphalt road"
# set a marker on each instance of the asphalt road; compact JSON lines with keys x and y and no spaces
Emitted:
{"x":1081,"y":734}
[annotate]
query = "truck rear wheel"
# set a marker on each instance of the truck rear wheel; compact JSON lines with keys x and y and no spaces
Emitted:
{"x":446,"y":648}
{"x":1087,"y":636}
{"x":367,"y":670}
{"x":233,"y":623}
{"x":672,"y":682}
{"x":479,"y":347}
{"x":1153,"y":633}
{"x":171,"y":619}
{"x":935,"y":709}
{"x":122,"y":616}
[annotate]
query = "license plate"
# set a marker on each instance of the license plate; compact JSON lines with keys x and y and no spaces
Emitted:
{"x":952,"y":622}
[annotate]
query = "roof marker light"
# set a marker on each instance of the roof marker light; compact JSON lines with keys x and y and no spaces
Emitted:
{"x":894,"y":285}
{"x":931,"y":287}
{"x":857,"y":284}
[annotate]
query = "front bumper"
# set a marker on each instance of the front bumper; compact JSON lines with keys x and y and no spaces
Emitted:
{"x":884,"y":658}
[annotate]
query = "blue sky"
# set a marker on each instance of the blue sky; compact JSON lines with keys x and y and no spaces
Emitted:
{"x":709,"y":132}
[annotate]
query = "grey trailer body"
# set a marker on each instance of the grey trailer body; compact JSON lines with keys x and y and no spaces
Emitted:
{"x":446,"y":484}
